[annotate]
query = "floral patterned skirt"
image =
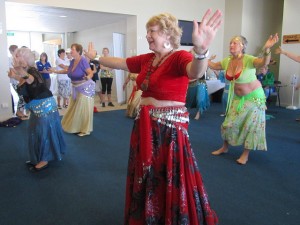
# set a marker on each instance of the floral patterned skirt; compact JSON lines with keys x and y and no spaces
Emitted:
{"x":245,"y":121}
{"x":64,"y":87}
{"x":164,"y":185}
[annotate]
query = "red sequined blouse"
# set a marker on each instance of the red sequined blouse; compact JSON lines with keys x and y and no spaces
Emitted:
{"x":169,"y":81}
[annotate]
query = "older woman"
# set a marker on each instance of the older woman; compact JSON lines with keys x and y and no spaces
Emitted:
{"x":245,"y":113}
{"x":164,"y":185}
{"x":79,"y":116}
{"x":45,"y":135}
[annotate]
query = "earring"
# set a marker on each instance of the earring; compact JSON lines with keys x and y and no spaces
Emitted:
{"x":167,"y":45}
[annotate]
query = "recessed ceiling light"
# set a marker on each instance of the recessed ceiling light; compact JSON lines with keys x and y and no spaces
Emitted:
{"x":62,"y":16}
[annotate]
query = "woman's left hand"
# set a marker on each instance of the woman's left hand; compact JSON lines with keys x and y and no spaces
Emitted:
{"x":205,"y":32}
{"x":272,"y":40}
{"x":19,"y":70}
{"x":12,"y":74}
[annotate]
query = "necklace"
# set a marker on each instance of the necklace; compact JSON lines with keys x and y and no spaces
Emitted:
{"x":151,"y":69}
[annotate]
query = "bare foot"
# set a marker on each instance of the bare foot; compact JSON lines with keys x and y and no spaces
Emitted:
{"x":242,"y":160}
{"x":220,"y":151}
{"x":197,"y":117}
{"x":244,"y":157}
{"x":41,"y":164}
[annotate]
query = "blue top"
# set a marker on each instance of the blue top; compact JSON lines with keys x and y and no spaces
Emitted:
{"x":40,"y":66}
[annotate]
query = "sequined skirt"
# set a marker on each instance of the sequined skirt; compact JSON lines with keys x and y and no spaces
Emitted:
{"x":45,"y":136}
{"x":245,"y":121}
{"x":197,"y":96}
{"x":164,"y":185}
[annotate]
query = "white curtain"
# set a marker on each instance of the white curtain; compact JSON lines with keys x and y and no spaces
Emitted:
{"x":119,"y":51}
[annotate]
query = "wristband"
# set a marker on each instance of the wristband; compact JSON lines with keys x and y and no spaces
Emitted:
{"x":200,"y":56}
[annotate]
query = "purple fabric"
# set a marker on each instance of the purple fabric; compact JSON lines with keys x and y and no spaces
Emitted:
{"x":87,"y":88}
{"x":79,"y":72}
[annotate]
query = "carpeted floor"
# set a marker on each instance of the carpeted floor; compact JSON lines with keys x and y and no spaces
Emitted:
{"x":87,"y":187}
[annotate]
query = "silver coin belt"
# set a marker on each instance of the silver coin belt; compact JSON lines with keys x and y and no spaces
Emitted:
{"x":168,"y":115}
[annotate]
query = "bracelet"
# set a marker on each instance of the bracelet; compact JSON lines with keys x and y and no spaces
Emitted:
{"x":201,"y":56}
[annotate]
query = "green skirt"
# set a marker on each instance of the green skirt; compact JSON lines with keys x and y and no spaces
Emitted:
{"x":245,"y":121}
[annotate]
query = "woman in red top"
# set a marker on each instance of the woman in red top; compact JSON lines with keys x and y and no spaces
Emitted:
{"x":164,"y":185}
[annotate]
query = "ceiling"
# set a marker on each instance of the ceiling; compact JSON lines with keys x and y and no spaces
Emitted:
{"x":36,"y":18}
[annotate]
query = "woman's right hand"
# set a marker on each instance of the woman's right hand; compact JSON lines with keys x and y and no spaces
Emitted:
{"x":272,"y":40}
{"x":91,"y":52}
{"x":204,"y":33}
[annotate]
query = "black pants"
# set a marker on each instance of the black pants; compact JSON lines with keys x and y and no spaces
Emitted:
{"x":106,"y":85}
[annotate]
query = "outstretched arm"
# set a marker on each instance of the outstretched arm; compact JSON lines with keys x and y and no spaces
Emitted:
{"x":203,"y":35}
{"x":111,"y":62}
{"x":290,"y":55}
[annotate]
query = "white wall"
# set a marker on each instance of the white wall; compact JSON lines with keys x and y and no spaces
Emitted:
{"x":143,"y":10}
{"x":5,"y":96}
{"x":259,"y":22}
{"x":233,"y":23}
{"x":187,"y":10}
{"x":288,"y":67}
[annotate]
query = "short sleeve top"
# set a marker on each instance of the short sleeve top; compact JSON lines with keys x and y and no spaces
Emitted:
{"x":169,"y":81}
{"x":78,"y":73}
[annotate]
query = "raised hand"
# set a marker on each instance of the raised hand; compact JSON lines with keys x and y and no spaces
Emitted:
{"x":272,"y":40}
{"x":212,"y":57}
{"x":204,"y":33}
{"x":278,"y":50}
{"x":13,"y":73}
{"x":91,"y":52}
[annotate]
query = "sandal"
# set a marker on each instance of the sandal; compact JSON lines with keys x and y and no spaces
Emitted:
{"x":66,"y":106}
{"x":59,"y":107}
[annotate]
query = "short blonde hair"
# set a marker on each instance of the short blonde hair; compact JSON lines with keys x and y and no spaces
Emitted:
{"x":168,"y":25}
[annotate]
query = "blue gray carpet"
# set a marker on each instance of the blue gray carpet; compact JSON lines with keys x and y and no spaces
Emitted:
{"x":87,"y":187}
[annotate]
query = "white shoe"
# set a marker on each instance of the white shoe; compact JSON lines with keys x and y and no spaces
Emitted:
{"x":83,"y":134}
